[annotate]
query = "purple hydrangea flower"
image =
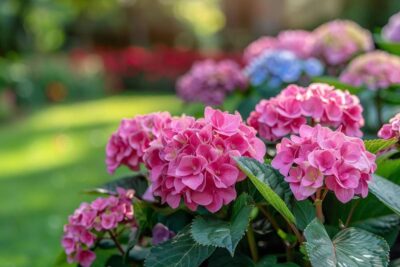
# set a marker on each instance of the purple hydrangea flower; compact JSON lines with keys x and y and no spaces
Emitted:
{"x":161,"y":233}
{"x":209,"y":82}
{"x":391,"y":31}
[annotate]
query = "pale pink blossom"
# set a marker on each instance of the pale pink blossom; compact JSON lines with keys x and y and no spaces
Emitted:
{"x":336,"y":42}
{"x":127,"y":145}
{"x":374,"y":70}
{"x":88,"y":220}
{"x":295,"y":106}
{"x":194,"y":161}
{"x":300,"y":42}
{"x":320,"y":157}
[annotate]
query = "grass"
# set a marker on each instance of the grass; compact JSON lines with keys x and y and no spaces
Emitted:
{"x":46,"y":160}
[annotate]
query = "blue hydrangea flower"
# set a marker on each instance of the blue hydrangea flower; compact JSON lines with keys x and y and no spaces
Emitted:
{"x":275,"y":67}
{"x":313,"y":67}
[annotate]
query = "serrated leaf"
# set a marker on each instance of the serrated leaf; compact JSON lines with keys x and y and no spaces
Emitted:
{"x":387,"y":192}
{"x":386,"y":226}
{"x":210,"y":231}
{"x":304,"y":211}
{"x":181,"y":251}
{"x":136,"y":182}
{"x":260,"y":174}
{"x":376,"y":145}
{"x":350,"y":247}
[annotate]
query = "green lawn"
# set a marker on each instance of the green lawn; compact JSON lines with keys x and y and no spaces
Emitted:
{"x":46,"y":160}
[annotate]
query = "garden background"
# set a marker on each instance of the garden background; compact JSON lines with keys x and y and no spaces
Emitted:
{"x":71,"y":69}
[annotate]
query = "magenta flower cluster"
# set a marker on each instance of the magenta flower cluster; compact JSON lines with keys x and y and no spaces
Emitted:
{"x":193,"y":160}
{"x":295,"y":106}
{"x":320,"y":157}
{"x":103,"y":214}
{"x":209,"y":82}
{"x":391,"y":129}
{"x":127,"y":145}
{"x":336,"y":42}
{"x":375,"y":70}
{"x":391,"y":31}
{"x":299,"y":42}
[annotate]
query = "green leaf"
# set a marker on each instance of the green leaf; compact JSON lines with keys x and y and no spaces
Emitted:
{"x":210,"y":231}
{"x":393,"y":48}
{"x":261,"y":174}
{"x":136,"y":182}
{"x":267,"y":261}
{"x":386,"y":226}
{"x":337,"y":84}
{"x":376,"y":145}
{"x":223,"y":258}
{"x":379,"y":225}
{"x":181,"y":251}
{"x":350,"y":247}
{"x":387,"y":192}
{"x":304,"y":211}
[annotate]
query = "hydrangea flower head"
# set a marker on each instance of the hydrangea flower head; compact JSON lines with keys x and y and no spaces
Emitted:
{"x":103,"y":214}
{"x":295,"y":106}
{"x":375,"y":70}
{"x":210,"y":82}
{"x":193,"y":160}
{"x":299,"y":42}
{"x":321,"y":157}
{"x":336,"y":42}
{"x":281,"y":66}
{"x":391,"y":31}
{"x":127,"y":145}
{"x":258,"y":47}
{"x":391,"y":129}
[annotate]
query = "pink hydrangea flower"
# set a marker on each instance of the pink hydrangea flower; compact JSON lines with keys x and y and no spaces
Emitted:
{"x":391,"y":129}
{"x":300,"y":42}
{"x":209,"y":82}
{"x":375,"y":70}
{"x":257,"y":47}
{"x":336,"y":42}
{"x":193,"y":159}
{"x":295,"y":106}
{"x":101,"y":215}
{"x":320,"y":157}
{"x":127,"y":145}
{"x":391,"y":31}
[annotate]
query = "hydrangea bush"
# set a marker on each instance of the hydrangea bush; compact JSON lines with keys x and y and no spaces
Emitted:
{"x":294,"y":184}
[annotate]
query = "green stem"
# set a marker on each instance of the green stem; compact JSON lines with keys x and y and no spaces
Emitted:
{"x":318,"y":207}
{"x":351,"y":212}
{"x":252,"y":243}
{"x":117,"y":244}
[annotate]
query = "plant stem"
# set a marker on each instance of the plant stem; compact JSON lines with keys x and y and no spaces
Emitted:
{"x":269,"y":217}
{"x":252,"y":243}
{"x":113,"y":237}
{"x":276,"y":226}
{"x":318,"y":207}
{"x":351,"y":212}
{"x":296,"y":233}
